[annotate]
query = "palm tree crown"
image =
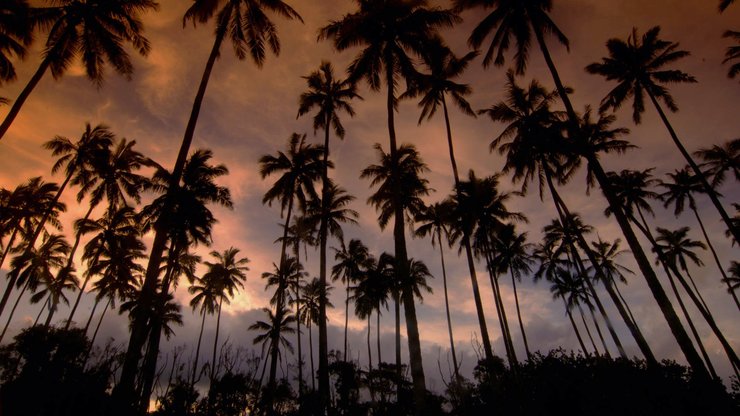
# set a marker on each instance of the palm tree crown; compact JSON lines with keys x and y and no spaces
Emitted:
{"x":330,"y":95}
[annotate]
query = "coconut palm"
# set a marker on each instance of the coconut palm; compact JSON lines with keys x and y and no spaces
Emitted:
{"x":273,"y":336}
{"x":434,"y":223}
{"x":309,"y":314}
{"x":388,"y":33}
{"x":568,"y":286}
{"x":721,"y":159}
{"x":206,"y":299}
{"x":352,"y":262}
{"x":365,"y":303}
{"x":678,"y":248}
{"x":35,"y":267}
{"x":733,"y":280}
{"x":53,"y":290}
{"x":16,"y":34}
{"x":638,"y":67}
{"x":94,"y":31}
{"x":733,"y":53}
{"x":679,"y":191}
{"x":113,"y":178}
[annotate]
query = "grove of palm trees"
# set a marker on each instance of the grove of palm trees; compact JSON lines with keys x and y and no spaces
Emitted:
{"x":369,"y":207}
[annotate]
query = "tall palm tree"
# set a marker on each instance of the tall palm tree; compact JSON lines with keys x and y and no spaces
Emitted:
{"x":434,"y":222}
{"x":252,"y":32}
{"x":15,"y":36}
{"x":519,"y":19}
{"x":206,"y":299}
{"x":733,"y":53}
{"x":678,"y":248}
{"x":568,"y":286}
{"x":96,"y":32}
{"x":401,"y":171}
{"x":353,"y":260}
{"x":227,"y":275}
{"x":679,"y":190}
{"x":330,"y":96}
{"x":112,"y":177}
{"x":363,"y":297}
{"x":721,"y":159}
{"x":273,"y":336}
{"x":638,"y":66}
{"x":388,"y":33}
{"x":309,"y":314}
{"x":511,"y":255}
{"x":35,"y":267}
{"x":53,"y":290}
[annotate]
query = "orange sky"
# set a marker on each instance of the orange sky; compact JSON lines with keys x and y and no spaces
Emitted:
{"x":250,"y":112}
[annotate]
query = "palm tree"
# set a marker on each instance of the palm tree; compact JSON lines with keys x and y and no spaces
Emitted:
{"x":678,"y":247}
{"x":401,"y":172}
{"x":388,"y":32}
{"x":719,"y":160}
{"x":513,"y":18}
{"x":733,"y":53}
{"x":434,"y":222}
{"x":95,"y":31}
{"x":34,"y":267}
{"x":309,"y":315}
{"x":53,"y":290}
{"x":365,"y":304}
{"x":226,"y":275}
{"x":638,"y":67}
{"x":206,"y":299}
{"x":272,"y":337}
{"x":16,"y":35}
{"x":567,"y":285}
{"x":733,"y":280}
{"x":251,"y":31}
{"x":331,"y":96}
{"x":511,"y":255}
{"x":679,"y":190}
{"x":353,"y":261}
{"x":112,"y":177}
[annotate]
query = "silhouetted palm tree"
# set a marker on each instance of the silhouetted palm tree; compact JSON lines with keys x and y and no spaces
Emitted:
{"x":309,"y":314}
{"x":732,"y":54}
{"x":353,"y":261}
{"x":16,"y":34}
{"x":721,"y":159}
{"x":273,"y":336}
{"x":206,"y":298}
{"x":678,"y":247}
{"x":568,"y":286}
{"x":226,"y":275}
{"x":388,"y":32}
{"x":679,"y":190}
{"x":733,"y":280}
{"x":434,"y":221}
{"x":95,"y":31}
{"x":35,"y":267}
{"x":638,"y":67}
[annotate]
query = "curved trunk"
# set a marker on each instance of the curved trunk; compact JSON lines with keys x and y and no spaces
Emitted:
{"x":694,"y":167}
{"x":18,"y":103}
{"x":197,"y":349}
{"x":714,"y":255}
{"x":447,"y":306}
{"x":519,"y":316}
{"x":70,"y":259}
{"x":124,"y":391}
{"x":12,"y":311}
{"x":399,"y":237}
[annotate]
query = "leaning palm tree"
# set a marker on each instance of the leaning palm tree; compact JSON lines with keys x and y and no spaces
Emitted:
{"x":638,"y":66}
{"x":353,"y":260}
{"x":16,"y":35}
{"x":35,"y":267}
{"x":227,"y":274}
{"x":388,"y":32}
{"x":434,"y":221}
{"x":53,"y":290}
{"x":95,"y":31}
{"x":679,"y":191}
{"x":678,"y":248}
{"x":719,"y":160}
{"x":251,"y":32}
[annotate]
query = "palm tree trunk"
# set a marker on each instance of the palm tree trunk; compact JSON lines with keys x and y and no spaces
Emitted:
{"x":679,"y":332}
{"x":714,"y":255}
{"x":377,"y":331}
{"x":447,"y":305}
{"x":563,"y":213}
{"x":32,"y":241}
{"x":369,"y":350}
{"x":598,"y":330}
{"x":46,"y":302}
{"x":519,"y":316}
{"x":12,"y":311}
{"x":588,"y":331}
{"x":346,"y":320}
{"x":214,"y":364}
{"x":123,"y":392}
{"x":52,"y":311}
{"x":92,"y":313}
{"x":699,"y":174}
{"x":399,"y":237}
{"x":24,"y":95}
{"x":70,"y":259}
{"x":397,"y":312}
{"x":100,"y":321}
{"x":310,"y":348}
{"x":696,"y":289}
{"x":197,"y":349}
{"x":9,"y":246}
{"x":575,"y":328}
{"x":298,"y":333}
{"x":505,"y":333}
{"x":323,"y":235}
{"x":274,"y":353}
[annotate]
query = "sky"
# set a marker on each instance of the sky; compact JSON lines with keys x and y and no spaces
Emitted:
{"x":250,"y":111}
